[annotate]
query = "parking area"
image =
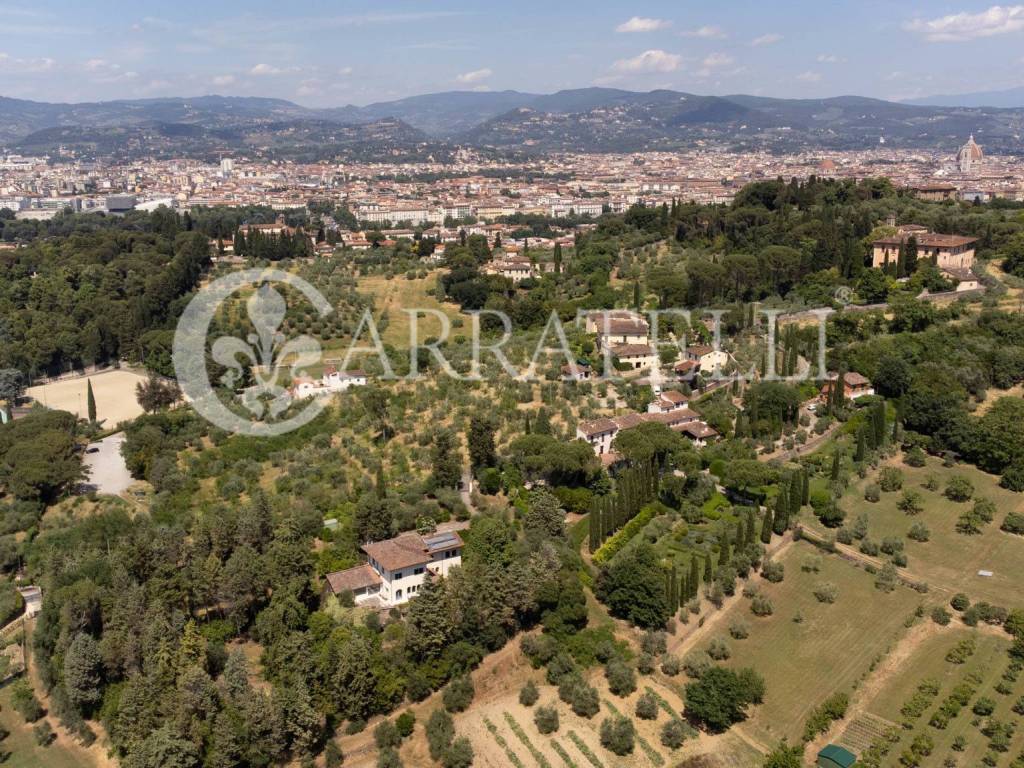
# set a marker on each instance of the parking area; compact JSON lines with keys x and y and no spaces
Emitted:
{"x":107,"y":471}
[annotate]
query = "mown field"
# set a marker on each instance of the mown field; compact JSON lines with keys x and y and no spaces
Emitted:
{"x":19,"y":749}
{"x":829,"y":649}
{"x":949,"y":561}
{"x":392,"y":297}
{"x":985,"y":667}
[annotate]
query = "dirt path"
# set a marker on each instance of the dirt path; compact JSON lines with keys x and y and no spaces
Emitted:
{"x":95,"y":756}
{"x":873,"y":685}
{"x":681,"y":645}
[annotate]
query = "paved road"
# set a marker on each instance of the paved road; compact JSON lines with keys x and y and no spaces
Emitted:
{"x":107,"y":471}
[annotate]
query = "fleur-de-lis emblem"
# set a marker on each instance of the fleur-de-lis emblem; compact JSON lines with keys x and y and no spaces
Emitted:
{"x":265,"y":352}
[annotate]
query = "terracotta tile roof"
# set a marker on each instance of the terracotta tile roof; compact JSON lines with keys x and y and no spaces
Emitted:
{"x":632,"y":350}
{"x":351,"y":579}
{"x":409,"y":549}
{"x":927,"y":240}
{"x":597,"y":427}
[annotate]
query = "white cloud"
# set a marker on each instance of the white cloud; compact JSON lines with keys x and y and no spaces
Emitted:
{"x":94,"y":64}
{"x":475,"y":76}
{"x":708,"y":32}
{"x":10,"y":63}
{"x":641,"y":24}
{"x":716,"y":60}
{"x":224,"y":80}
{"x":830,"y":58}
{"x":649,"y":61}
{"x":958,"y":27}
{"x":345,"y":71}
{"x":809,"y":77}
{"x":769,"y":39}
{"x":265,"y":70}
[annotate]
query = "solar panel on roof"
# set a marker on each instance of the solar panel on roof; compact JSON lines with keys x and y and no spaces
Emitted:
{"x":440,"y":542}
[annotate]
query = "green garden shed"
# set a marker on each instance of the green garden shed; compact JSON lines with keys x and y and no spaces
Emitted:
{"x":834,"y":756}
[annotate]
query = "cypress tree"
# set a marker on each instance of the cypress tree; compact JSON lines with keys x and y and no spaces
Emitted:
{"x":90,"y":401}
{"x":806,"y":499}
{"x":879,"y":423}
{"x":781,"y":520}
{"x":750,"y":528}
{"x":835,"y":465}
{"x":766,"y":527}
{"x":708,"y":575}
{"x":694,"y":581}
{"x":861,"y":451}
{"x":796,"y":488}
{"x":723,"y":552}
{"x":594,"y":524}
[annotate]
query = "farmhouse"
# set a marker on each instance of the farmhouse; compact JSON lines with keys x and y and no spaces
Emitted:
{"x":945,"y":251}
{"x":707,"y":358}
{"x":854,"y":385}
{"x":635,"y":356}
{"x":332,"y":381}
{"x":396,"y":568}
{"x":599,"y":433}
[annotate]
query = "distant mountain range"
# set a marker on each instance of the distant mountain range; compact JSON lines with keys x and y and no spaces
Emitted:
{"x":1012,"y":98}
{"x":586,"y":119}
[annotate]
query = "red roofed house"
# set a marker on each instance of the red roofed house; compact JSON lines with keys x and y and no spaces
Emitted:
{"x":396,"y":568}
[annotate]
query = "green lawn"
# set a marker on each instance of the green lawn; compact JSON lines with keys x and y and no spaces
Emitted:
{"x":929,"y":661}
{"x":830,"y":650}
{"x":949,"y":561}
{"x":22,"y":750}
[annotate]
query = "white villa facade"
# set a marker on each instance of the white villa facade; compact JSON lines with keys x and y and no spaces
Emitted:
{"x":395,"y":569}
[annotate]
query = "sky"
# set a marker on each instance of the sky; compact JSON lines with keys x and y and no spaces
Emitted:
{"x":319,"y":53}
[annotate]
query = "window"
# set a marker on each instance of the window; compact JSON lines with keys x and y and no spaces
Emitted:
{"x":398,"y":574}
{"x":398,"y":594}
{"x":417,"y":571}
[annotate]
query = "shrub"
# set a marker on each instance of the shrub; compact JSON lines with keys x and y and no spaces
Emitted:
{"x":645,"y":664}
{"x":872,"y":493}
{"x":389,"y":758}
{"x":761,"y":606}
{"x":931,"y":483}
{"x":773,"y":572}
{"x":826,"y":592}
{"x":653,"y":642}
{"x":985,"y":510}
{"x":43,"y":734}
{"x":960,"y":602}
{"x":405,"y":723}
{"x":739,"y":630}
{"x":670,"y":665}
{"x":579,"y":695}
{"x":386,"y":735}
{"x":890,"y":479}
{"x":1013,"y":523}
{"x":869,"y":547}
{"x":718,"y":649}
{"x":528,"y":694}
{"x":333,"y":756}
{"x":458,"y":694}
{"x":891,"y":545}
{"x":25,"y":702}
{"x":546,"y":719}
{"x":647,"y":706}
{"x":673,"y":733}
{"x":911,"y":502}
{"x":915,"y":457}
{"x":618,"y":735}
{"x":959,"y":488}
{"x":919,"y":532}
{"x":440,"y":733}
{"x":620,"y":676}
{"x":887,"y":578}
{"x":821,"y":717}
{"x":940,"y":615}
{"x":962,"y":651}
{"x":459,"y":754}
{"x":984,"y":707}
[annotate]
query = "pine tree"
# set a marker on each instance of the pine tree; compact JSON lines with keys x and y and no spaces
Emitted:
{"x":90,"y":401}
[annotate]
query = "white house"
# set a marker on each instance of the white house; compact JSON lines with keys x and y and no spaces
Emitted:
{"x":332,"y":381}
{"x":395,"y":569}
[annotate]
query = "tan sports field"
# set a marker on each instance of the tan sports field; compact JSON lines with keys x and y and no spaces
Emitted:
{"x":114,"y":392}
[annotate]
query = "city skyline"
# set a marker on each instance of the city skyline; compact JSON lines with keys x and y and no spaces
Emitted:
{"x":359,"y":53}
